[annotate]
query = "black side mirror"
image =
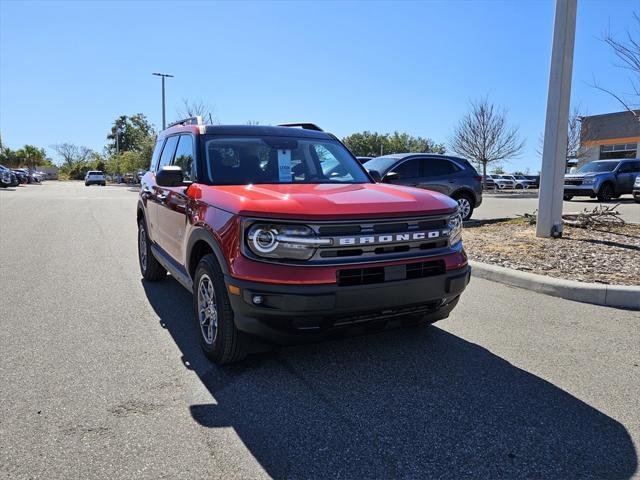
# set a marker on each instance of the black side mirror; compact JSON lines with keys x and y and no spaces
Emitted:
{"x":170,"y":176}
{"x":375,"y":175}
{"x":391,"y":176}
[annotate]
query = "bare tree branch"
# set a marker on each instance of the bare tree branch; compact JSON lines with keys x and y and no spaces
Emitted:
{"x":484,"y":136}
{"x":195,"y":109}
{"x":627,"y":51}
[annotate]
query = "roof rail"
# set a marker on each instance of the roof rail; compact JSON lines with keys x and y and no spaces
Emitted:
{"x":305,"y":126}
{"x":197,"y":120}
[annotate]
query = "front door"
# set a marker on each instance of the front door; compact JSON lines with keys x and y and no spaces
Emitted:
{"x":438,"y":174}
{"x":626,"y":176}
{"x":173,"y":211}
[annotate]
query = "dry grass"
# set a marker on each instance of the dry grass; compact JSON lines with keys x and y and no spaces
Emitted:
{"x":605,"y":256}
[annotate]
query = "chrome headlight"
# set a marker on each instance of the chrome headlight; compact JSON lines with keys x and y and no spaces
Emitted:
{"x":588,"y":181}
{"x":292,"y":242}
{"x":455,"y":228}
{"x":637,"y":182}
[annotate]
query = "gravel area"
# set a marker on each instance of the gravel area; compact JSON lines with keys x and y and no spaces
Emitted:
{"x":602,"y":256}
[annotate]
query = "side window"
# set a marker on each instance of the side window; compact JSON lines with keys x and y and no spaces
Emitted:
{"x":184,"y":156}
{"x":408,"y":169}
{"x":156,"y":155}
{"x":633,"y":167}
{"x":436,"y":167}
{"x":167,"y":152}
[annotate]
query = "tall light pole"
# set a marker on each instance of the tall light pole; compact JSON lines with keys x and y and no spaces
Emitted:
{"x":554,"y":151}
{"x":163,"y":76}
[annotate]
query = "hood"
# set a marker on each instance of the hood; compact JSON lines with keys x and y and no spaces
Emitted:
{"x":324,"y":201}
{"x":583,"y":175}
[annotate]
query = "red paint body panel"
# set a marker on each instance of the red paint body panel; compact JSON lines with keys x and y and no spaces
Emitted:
{"x":325,"y":201}
{"x":225,"y":227}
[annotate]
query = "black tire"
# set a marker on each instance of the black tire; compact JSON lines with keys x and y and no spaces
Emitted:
{"x":461,"y":198}
{"x":567,"y":198}
{"x":225,"y":345}
{"x":636,"y":199}
{"x":606,"y":192}
{"x":150,"y":268}
{"x":519,"y":187}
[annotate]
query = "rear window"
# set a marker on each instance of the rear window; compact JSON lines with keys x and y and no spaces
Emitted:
{"x":95,"y":172}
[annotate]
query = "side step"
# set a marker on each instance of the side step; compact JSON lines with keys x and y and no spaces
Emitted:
{"x":176,"y":270}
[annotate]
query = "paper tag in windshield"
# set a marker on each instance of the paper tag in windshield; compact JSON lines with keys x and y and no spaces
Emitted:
{"x":284,"y":165}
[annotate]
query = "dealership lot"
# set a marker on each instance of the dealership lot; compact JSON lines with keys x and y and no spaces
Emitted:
{"x":500,"y":206}
{"x":102,"y":376}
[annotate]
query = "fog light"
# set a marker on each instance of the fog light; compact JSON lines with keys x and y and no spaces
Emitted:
{"x":257,"y":299}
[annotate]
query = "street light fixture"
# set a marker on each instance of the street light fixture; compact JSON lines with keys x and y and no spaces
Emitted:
{"x":163,"y":76}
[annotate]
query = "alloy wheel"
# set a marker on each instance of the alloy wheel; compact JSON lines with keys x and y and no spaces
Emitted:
{"x":142,"y":247}
{"x":464,"y":206}
{"x":207,"y":309}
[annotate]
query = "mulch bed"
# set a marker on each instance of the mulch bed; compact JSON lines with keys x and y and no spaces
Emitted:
{"x":609,"y":256}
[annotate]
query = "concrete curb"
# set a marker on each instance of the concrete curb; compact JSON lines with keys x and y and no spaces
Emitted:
{"x":618,"y":296}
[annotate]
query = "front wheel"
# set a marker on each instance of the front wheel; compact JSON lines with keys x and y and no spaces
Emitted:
{"x":150,"y":268}
{"x":220,"y":339}
{"x":465,"y":205}
{"x":606,"y":192}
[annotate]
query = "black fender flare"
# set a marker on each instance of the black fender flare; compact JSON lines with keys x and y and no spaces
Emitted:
{"x":201,"y":233}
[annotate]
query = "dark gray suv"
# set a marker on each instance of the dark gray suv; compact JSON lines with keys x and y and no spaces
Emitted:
{"x":452,"y":176}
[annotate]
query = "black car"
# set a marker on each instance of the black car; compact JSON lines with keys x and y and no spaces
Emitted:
{"x":10,"y":176}
{"x":363,"y":159}
{"x":22,"y":176}
{"x":452,"y":176}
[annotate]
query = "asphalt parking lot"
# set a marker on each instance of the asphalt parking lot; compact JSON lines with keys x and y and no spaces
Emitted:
{"x":102,"y":377}
{"x":500,"y":206}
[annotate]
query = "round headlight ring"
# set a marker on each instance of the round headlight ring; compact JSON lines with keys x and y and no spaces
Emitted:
{"x":264,"y":240}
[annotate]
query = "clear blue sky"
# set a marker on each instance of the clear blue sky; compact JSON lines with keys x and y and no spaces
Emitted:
{"x":68,"y":69}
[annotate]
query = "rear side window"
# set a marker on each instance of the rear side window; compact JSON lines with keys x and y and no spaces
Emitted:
{"x":630,"y":167}
{"x":167,"y":152}
{"x":184,"y":156}
{"x":435,"y":167}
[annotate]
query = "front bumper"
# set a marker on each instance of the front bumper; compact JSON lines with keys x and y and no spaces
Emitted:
{"x":295,"y":313}
{"x":581,"y":190}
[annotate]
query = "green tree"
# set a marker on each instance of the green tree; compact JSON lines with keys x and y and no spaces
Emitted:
{"x":405,"y":143}
{"x":373,"y":144}
{"x":366,"y":144}
{"x":30,"y":156}
{"x":498,"y":170}
{"x":130,"y":134}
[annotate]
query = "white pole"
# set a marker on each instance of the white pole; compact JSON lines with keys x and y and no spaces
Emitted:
{"x":554,"y":152}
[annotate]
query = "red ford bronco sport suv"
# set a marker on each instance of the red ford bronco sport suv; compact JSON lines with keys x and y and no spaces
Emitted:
{"x":280,"y":233}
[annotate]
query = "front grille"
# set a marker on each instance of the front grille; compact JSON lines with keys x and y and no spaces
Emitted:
{"x":425,"y":269}
{"x":360,"y":276}
{"x":366,"y":276}
{"x":404,"y":247}
{"x":573,"y":182}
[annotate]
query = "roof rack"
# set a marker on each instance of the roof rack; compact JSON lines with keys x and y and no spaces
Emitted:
{"x":197,"y":120}
{"x":305,"y":126}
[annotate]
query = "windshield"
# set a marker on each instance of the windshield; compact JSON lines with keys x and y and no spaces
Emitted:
{"x":596,"y":167}
{"x":274,"y":160}
{"x":380,"y":164}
